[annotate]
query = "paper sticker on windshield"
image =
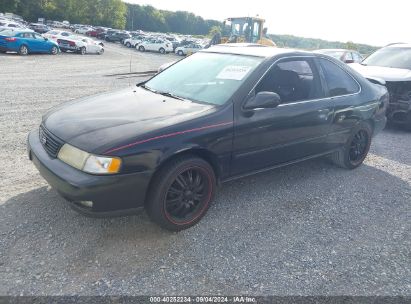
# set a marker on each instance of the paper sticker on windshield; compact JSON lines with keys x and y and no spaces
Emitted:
{"x":234,"y":72}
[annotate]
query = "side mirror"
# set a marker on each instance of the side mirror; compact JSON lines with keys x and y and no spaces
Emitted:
{"x":263,"y":100}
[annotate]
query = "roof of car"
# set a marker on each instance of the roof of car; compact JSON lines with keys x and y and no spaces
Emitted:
{"x":251,"y":49}
{"x":335,"y":50}
{"x":399,"y":45}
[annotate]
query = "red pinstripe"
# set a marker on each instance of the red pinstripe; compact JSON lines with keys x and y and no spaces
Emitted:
{"x":166,"y":136}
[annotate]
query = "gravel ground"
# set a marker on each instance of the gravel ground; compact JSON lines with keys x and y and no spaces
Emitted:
{"x":307,"y":229}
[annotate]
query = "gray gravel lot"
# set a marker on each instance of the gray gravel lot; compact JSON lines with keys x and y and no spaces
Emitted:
{"x":307,"y":229}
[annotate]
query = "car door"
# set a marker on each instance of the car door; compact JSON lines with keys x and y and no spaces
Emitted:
{"x":36,"y":43}
{"x":295,"y":129}
{"x":343,"y":89}
{"x":148,"y":46}
{"x":25,"y":38}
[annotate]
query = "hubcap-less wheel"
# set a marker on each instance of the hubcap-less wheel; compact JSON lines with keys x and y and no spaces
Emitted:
{"x":358,"y":147}
{"x":188,"y":195}
{"x":23,"y":50}
{"x":54,"y":50}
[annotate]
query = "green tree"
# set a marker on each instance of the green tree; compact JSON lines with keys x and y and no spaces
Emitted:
{"x":214,"y":30}
{"x":351,"y":45}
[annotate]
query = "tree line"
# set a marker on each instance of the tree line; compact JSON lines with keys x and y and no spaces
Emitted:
{"x":110,"y":13}
{"x":121,"y":15}
{"x":290,"y":41}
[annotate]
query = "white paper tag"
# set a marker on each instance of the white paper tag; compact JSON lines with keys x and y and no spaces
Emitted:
{"x":234,"y":72}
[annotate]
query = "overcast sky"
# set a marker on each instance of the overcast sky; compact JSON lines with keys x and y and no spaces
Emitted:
{"x":362,"y":21}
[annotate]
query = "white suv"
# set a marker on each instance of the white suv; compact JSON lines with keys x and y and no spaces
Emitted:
{"x":156,"y":45}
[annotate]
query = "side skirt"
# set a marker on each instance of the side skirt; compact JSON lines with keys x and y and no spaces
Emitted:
{"x":277,"y":166}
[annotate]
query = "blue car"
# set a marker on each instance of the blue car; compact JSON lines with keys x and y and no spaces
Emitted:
{"x":25,"y":42}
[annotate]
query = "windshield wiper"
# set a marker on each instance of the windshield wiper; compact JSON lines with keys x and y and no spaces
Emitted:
{"x":168,"y":94}
{"x":147,"y":88}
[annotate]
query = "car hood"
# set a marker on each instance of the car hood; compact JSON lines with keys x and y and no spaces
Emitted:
{"x":388,"y":74}
{"x":96,"y":124}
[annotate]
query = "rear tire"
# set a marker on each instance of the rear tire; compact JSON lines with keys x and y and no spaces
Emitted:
{"x":355,"y":150}
{"x":128,"y":44}
{"x":23,"y":50}
{"x":181,"y":192}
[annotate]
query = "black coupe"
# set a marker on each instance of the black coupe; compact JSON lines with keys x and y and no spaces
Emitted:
{"x":221,"y":114}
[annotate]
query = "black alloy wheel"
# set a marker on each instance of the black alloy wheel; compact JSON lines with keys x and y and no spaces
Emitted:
{"x":358,"y":147}
{"x":181,"y":193}
{"x":187,"y":194}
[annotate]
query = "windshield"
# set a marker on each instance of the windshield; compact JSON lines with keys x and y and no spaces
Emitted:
{"x":392,"y":57}
{"x":205,"y":77}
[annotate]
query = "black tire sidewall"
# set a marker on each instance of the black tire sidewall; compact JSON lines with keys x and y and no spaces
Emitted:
{"x":180,"y":53}
{"x":155,"y":205}
{"x":162,"y":51}
{"x":346,"y":152}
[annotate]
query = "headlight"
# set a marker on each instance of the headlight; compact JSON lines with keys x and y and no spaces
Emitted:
{"x":88,"y":162}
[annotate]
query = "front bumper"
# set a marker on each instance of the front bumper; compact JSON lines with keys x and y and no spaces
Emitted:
{"x":111,"y":195}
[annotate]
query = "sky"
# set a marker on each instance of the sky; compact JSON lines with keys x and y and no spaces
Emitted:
{"x":374,"y":22}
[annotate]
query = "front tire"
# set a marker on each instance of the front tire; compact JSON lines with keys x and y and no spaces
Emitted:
{"x":141,"y":48}
{"x":354,"y":152}
{"x":181,"y":193}
{"x":101,"y":52}
{"x":54,"y":50}
{"x":23,"y":50}
{"x":82,"y":50}
{"x":180,"y":53}
{"x":162,"y":51}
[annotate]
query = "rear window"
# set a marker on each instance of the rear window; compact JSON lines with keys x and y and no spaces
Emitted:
{"x":7,"y":33}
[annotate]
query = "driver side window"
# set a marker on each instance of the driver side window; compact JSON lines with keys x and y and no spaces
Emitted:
{"x":293,"y":80}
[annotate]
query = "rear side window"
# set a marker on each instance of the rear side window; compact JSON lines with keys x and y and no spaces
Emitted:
{"x":338,"y":81}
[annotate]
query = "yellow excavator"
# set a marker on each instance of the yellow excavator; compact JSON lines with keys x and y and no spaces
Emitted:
{"x":243,"y":30}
